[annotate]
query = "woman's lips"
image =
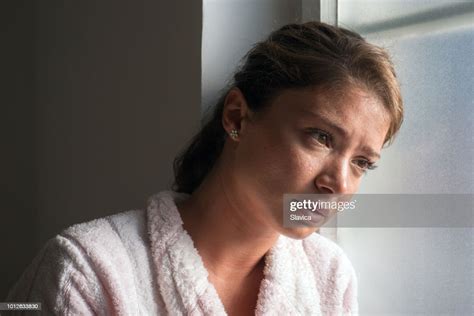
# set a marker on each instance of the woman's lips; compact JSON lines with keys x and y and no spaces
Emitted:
{"x":320,"y":211}
{"x":323,"y":212}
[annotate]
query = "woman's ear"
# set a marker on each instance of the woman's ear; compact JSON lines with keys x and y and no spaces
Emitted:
{"x":235,"y":113}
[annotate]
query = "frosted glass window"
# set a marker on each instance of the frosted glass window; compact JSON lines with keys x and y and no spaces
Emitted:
{"x":424,"y":271}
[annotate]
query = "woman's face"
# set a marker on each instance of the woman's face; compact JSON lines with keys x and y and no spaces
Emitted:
{"x":307,"y":141}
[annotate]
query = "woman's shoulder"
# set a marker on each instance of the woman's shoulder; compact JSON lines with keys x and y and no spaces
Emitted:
{"x":124,"y":226}
{"x":118,"y":240}
{"x":87,"y":265}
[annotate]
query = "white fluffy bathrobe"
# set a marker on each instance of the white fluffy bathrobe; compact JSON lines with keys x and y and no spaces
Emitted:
{"x":145,"y":263}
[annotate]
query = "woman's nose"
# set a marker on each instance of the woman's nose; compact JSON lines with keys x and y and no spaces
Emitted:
{"x":334,"y":177}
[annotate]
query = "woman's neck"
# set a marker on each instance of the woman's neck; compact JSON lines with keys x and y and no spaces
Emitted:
{"x":231,"y":240}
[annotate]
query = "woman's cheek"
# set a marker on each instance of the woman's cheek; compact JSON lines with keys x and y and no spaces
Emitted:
{"x":294,"y":170}
{"x":306,"y":167}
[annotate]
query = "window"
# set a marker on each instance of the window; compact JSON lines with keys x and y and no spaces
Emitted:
{"x":420,"y":270}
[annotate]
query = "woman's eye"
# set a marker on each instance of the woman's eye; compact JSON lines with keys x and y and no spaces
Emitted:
{"x":321,"y":137}
{"x":365,"y":164}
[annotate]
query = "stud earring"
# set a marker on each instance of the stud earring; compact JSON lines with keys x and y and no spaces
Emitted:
{"x":234,"y":134}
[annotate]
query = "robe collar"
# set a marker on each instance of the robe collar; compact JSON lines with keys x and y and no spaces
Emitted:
{"x":288,"y":286}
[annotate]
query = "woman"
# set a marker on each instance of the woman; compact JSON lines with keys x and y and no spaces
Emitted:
{"x":308,"y":112}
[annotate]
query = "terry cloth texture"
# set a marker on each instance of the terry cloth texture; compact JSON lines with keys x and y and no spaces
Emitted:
{"x":144,"y":263}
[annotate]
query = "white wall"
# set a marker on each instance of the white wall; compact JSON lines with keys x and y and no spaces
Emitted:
{"x":230,"y":28}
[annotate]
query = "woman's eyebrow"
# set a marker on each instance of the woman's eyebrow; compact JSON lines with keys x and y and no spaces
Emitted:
{"x":370,"y":152}
{"x":328,"y":121}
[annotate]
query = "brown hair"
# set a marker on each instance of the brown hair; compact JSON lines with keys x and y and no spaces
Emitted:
{"x":295,"y":56}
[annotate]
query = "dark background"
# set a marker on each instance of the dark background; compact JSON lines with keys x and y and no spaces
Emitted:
{"x":97,"y":98}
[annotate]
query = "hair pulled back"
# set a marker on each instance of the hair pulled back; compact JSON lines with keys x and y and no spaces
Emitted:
{"x":295,"y":56}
